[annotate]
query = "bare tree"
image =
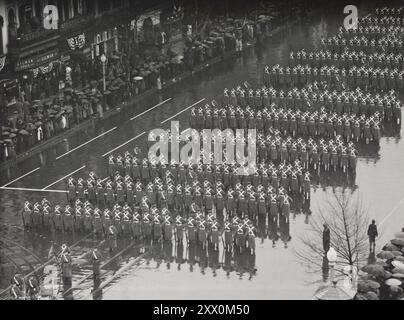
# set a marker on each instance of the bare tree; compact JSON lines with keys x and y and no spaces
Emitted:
{"x":348,"y":221}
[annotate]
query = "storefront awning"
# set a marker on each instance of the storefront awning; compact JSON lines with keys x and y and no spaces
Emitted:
{"x":37,"y":60}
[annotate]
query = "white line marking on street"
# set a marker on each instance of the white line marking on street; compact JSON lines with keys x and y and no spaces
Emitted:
{"x":157,"y":105}
{"x":182,"y":111}
{"x":391,"y":212}
{"x":120,"y":146}
{"x":63,"y":177}
{"x":24,"y":175}
{"x":104,"y":179}
{"x":34,"y":190}
{"x":74,"y":149}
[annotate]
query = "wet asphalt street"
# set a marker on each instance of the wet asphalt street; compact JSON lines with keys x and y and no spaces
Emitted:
{"x":379,"y":181}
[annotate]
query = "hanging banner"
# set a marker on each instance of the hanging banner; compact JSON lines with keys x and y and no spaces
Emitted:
{"x":36,"y":61}
{"x":46,"y":69}
{"x":77,"y":42}
{"x":2,"y":62}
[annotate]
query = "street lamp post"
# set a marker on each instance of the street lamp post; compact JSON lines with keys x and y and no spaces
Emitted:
{"x":332,"y":259}
{"x":103,"y":60}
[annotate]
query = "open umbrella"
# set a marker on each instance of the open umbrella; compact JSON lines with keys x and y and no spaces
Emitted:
{"x":396,"y":289}
{"x":374,"y":269}
{"x":398,"y":242}
{"x":399,"y":258}
{"x":367,"y":285}
{"x":390,"y":247}
{"x":371,"y":295}
{"x":23,"y":132}
{"x":397,"y":253}
{"x":385,"y":255}
{"x":398,"y":264}
{"x":12,"y":135}
{"x":334,"y":292}
{"x":399,"y":235}
{"x":398,"y":276}
{"x":392,"y":282}
{"x":382,"y":263}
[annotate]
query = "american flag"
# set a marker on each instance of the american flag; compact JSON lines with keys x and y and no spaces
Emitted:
{"x":77,"y":42}
{"x":2,"y":62}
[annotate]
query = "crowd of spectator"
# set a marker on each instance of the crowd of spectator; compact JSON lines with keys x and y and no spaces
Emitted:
{"x":46,"y":106}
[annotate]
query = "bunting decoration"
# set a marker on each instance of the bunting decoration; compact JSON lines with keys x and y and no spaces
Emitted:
{"x":2,"y":62}
{"x":35,"y":72}
{"x":77,"y":42}
{"x":47,"y":68}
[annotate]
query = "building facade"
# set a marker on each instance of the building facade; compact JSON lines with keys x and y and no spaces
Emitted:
{"x":82,"y":31}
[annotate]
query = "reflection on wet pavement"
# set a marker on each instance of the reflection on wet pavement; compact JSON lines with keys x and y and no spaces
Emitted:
{"x":170,"y":271}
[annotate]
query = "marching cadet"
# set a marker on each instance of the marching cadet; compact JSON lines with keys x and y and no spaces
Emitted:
{"x":179,"y":199}
{"x":215,"y":234}
{"x":188,"y":198}
{"x":120,"y":193}
{"x":251,"y":231}
{"x":58,"y":218}
{"x":179,"y":229}
{"x":146,"y":222}
{"x":32,"y":289}
{"x":18,"y":285}
{"x":107,"y":219}
{"x":68,"y":219}
{"x":191,"y":230}
{"x":71,"y":187}
{"x":37,"y":215}
{"x":136,"y":226}
{"x":27,"y":215}
{"x":80,"y":189}
{"x":111,"y":165}
{"x":100,"y":193}
{"x":168,"y":228}
{"x":97,"y":222}
{"x":88,"y":217}
{"x":135,"y":169}
{"x":117,"y":217}
{"x":202,"y":238}
{"x":145,"y":171}
{"x":91,"y":190}
{"x":157,"y":229}
{"x":16,"y":293}
{"x":139,"y":192}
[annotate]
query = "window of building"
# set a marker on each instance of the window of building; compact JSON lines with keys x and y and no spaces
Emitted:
{"x":77,"y":7}
{"x":1,"y":34}
{"x":117,"y":3}
{"x":89,"y":6}
{"x":38,"y":7}
{"x":66,"y":10}
{"x":103,"y":6}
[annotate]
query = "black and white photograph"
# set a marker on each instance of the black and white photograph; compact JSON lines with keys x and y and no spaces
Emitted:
{"x":200,"y":150}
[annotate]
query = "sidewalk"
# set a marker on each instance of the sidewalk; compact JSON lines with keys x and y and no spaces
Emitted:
{"x":177,"y":47}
